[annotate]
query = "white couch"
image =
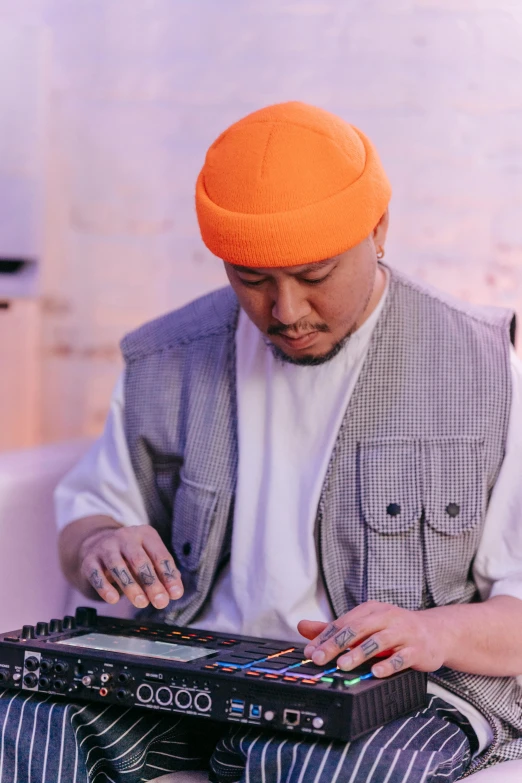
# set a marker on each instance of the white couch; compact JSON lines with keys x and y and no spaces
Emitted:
{"x":31,"y":584}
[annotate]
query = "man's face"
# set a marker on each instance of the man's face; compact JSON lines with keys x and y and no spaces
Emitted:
{"x":308,"y":311}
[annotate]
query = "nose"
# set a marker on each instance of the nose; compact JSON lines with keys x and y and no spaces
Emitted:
{"x":290,"y":305}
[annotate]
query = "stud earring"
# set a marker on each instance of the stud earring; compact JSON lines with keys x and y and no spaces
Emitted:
{"x":380,"y":253}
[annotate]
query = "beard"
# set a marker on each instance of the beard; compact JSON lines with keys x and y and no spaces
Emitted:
{"x":309,"y":360}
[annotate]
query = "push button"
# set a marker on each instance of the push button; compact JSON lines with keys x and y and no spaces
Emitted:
{"x":393,"y":509}
{"x":453,"y":509}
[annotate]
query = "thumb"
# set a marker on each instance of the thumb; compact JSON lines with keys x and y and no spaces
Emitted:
{"x":310,"y":628}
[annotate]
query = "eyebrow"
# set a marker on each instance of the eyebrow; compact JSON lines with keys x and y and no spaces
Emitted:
{"x":308,"y":268}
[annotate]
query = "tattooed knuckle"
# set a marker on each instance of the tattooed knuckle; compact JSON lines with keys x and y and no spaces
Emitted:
{"x":146,"y":575}
{"x":345,"y":636}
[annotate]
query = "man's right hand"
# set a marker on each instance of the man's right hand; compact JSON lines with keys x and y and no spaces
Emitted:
{"x":133,"y":559}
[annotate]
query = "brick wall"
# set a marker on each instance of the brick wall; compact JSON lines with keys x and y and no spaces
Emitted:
{"x":139,"y":90}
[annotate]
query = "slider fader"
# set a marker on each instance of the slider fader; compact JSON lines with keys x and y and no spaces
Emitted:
{"x":261,"y":682}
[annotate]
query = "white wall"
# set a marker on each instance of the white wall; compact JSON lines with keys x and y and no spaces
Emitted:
{"x":140,"y":88}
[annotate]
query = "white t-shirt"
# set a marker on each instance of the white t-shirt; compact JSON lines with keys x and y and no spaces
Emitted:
{"x":288,"y":420}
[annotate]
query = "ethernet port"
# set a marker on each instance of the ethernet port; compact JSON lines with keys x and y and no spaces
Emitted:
{"x":291,"y":717}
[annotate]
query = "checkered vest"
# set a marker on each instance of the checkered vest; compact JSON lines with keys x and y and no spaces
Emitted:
{"x":405,"y":496}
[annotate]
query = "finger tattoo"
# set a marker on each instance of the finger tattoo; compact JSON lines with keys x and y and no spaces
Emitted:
{"x":123,"y":575}
{"x":344,"y":637}
{"x":397,"y":662}
{"x":96,"y":579}
{"x":146,"y":577}
{"x":169,"y":572}
{"x":328,"y":632}
{"x":369,"y":647}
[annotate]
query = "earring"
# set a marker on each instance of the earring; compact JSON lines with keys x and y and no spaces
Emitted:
{"x":380,"y":253}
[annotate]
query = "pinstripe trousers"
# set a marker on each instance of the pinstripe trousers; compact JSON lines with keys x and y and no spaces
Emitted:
{"x":44,"y":740}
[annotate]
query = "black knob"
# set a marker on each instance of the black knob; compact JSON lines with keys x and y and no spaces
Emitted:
{"x":28,"y":632}
{"x":85,"y":615}
{"x":55,"y":625}
{"x":32,"y":663}
{"x":69,"y":622}
{"x":42,"y":629}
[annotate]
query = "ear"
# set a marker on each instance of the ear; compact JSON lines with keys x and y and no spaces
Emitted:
{"x":381,"y":230}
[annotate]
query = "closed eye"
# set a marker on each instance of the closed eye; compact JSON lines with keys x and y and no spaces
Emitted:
{"x":251,"y":283}
{"x":316,"y":282}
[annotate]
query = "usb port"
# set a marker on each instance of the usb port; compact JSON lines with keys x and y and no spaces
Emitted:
{"x":237,"y":706}
{"x":291,"y":717}
{"x":255,"y":710}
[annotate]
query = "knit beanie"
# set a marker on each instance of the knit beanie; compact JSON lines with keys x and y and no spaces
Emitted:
{"x":289,"y":184}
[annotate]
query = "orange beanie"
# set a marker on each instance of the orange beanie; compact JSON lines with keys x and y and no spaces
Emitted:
{"x":287,"y":185}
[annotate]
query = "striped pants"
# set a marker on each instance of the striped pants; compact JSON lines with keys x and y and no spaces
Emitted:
{"x":49,"y":741}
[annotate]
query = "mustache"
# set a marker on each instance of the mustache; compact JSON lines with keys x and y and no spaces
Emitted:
{"x":304,"y":327}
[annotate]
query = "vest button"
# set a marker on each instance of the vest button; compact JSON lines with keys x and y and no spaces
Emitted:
{"x":186,"y":548}
{"x":453,"y":509}
{"x":393,"y":509}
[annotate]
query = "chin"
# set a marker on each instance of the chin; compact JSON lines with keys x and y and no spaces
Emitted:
{"x":309,"y":359}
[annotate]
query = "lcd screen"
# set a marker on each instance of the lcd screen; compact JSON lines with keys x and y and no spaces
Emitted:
{"x":136,"y":646}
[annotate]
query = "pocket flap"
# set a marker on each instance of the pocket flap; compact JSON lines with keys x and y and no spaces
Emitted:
{"x":194,"y":508}
{"x":455,"y":484}
{"x":390,"y":493}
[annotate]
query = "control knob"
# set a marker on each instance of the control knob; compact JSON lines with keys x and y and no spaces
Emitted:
{"x":86,"y":615}
{"x":69,"y":622}
{"x":28,"y":632}
{"x":42,"y":629}
{"x":55,"y":625}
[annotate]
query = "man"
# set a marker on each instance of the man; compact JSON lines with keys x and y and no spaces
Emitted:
{"x":326,"y":450}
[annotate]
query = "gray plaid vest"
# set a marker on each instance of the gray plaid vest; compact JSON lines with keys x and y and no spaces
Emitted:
{"x":407,"y":488}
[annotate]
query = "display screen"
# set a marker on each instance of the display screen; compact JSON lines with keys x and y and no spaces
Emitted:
{"x":136,"y":646}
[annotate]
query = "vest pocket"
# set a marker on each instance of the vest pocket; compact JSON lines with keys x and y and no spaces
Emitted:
{"x":455,"y":508}
{"x":390,"y":493}
{"x":455,"y":485}
{"x":391,"y":505}
{"x":194,"y":508}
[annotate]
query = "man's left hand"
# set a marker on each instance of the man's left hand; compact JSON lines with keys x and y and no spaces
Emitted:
{"x":404,"y":639}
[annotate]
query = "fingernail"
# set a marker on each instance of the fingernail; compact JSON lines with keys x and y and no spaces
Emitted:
{"x":309,"y":650}
{"x":140,"y":601}
{"x":378,"y":671}
{"x":160,"y":598}
{"x":345,"y":663}
{"x":176,"y":591}
{"x":319,"y":657}
{"x":112,"y":597}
